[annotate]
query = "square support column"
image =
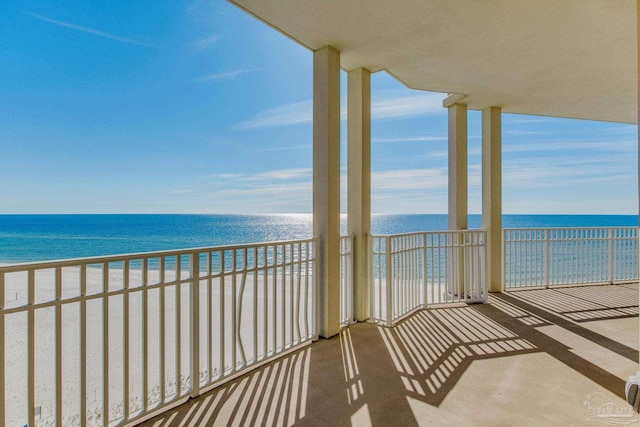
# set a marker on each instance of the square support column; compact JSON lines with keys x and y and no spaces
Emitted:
{"x":458,"y":186}
{"x":492,"y":193}
{"x":359,"y":184}
{"x":458,"y":190}
{"x":326,"y":188}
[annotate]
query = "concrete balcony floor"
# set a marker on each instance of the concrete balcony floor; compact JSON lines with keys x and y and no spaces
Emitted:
{"x":556,"y":357}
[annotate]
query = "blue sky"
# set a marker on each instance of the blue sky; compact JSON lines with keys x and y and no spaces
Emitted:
{"x":196,"y":107}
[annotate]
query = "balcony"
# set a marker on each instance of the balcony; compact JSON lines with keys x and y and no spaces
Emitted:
{"x":227,"y":335}
{"x":529,"y":357}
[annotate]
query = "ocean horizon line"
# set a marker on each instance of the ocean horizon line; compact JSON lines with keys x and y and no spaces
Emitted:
{"x":292,"y":214}
{"x":45,"y":237}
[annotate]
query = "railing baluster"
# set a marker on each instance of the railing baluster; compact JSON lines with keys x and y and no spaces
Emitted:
{"x":290,"y":278}
{"x":194,"y":328}
{"x":125,"y":338}
{"x":145,"y":333}
{"x":274,"y":313}
{"x":611,"y":256}
{"x":546,"y":258}
{"x":105,"y":343}
{"x":31,"y":347}
{"x":309,"y":293}
{"x":58,"y":344}
{"x":178,"y":320}
{"x":234,"y":304}
{"x":83,"y":345}
{"x":265,"y":302}
{"x":254,"y":251}
{"x":222,"y":312}
{"x":162,"y":333}
{"x":283,"y":302}
{"x":210,"y":315}
{"x":298,"y":294}
{"x":424,"y":296}
{"x":313,"y":267}
{"x":389,"y":285}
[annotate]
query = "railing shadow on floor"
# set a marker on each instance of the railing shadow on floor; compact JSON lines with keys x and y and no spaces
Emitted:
{"x":584,"y":303}
{"x":274,"y":394}
{"x":368,"y":374}
{"x":572,"y":307}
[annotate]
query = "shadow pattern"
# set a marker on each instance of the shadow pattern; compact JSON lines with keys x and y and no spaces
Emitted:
{"x":432,"y":349}
{"x":585,"y":303}
{"x":366,"y":374}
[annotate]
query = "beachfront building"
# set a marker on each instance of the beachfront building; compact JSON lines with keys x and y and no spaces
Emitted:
{"x":539,"y":358}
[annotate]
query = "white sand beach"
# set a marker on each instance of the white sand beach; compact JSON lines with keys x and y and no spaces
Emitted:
{"x":254,"y":313}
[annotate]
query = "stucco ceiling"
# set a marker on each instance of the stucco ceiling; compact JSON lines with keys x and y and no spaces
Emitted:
{"x":562,"y":58}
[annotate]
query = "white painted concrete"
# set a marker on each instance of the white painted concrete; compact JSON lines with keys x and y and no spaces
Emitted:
{"x":492,"y":193}
{"x":326,"y":186}
{"x":359,"y":183}
{"x":574,"y":58}
{"x":458,"y":185}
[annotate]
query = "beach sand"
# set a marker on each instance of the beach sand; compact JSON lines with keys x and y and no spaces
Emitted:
{"x":251,"y":313}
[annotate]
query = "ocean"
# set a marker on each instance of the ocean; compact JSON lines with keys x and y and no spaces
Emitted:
{"x":29,"y":238}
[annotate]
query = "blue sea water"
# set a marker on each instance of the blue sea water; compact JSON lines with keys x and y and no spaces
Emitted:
{"x":28,"y":238}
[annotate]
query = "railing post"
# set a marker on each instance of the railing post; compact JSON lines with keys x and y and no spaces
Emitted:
{"x":425,"y":272}
{"x":504,"y":260}
{"x":546,"y":258}
{"x":315,"y":299}
{"x":195,"y":324}
{"x":612,"y":264}
{"x":484,"y":250}
{"x":370,"y":273}
{"x":389,"y":278}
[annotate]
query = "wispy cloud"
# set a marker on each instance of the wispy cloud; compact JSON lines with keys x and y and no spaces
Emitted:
{"x":224,"y":75}
{"x":279,"y":190}
{"x":550,"y":172}
{"x":87,"y":30}
{"x":204,"y":43}
{"x":285,"y":115}
{"x":409,"y":139}
{"x":392,"y":106}
{"x":385,"y":106}
{"x":288,"y":148}
{"x":573,"y":148}
{"x":280,"y":174}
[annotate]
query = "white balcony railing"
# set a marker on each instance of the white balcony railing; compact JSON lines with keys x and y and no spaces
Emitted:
{"x":536,"y":257}
{"x":104,"y":341}
{"x":417,"y":270}
{"x":109,"y":340}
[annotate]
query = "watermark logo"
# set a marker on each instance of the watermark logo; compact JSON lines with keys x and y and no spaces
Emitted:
{"x":606,"y":411}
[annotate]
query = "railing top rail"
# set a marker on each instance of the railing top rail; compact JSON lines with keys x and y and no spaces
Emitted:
{"x":597,"y":227}
{"x":413,"y":233}
{"x":72,"y":262}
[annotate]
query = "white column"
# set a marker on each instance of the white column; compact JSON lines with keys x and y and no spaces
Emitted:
{"x":326,"y":187}
{"x":492,"y":193}
{"x":458,"y":167}
{"x":359,"y":183}
{"x":458,"y":211}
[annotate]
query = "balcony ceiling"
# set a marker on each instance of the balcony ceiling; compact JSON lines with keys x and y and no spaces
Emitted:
{"x":561,"y":58}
